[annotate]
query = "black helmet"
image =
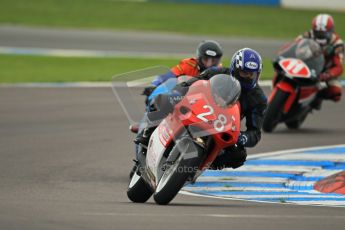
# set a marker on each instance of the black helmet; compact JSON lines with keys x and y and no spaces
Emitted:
{"x":208,"y":50}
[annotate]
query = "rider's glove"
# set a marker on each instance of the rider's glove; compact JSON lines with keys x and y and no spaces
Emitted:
{"x":242,"y":139}
{"x":210,"y":72}
{"x":148,"y":90}
{"x":325,"y":76}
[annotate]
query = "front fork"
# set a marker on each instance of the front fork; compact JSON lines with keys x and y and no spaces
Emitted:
{"x":288,"y":88}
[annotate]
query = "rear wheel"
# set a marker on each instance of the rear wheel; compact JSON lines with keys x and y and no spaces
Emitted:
{"x":275,"y":111}
{"x":176,"y":175}
{"x":138,"y":191}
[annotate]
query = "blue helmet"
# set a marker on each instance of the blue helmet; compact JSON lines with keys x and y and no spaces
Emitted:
{"x":246,"y":66}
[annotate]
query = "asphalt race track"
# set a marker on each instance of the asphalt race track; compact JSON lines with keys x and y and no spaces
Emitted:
{"x":66,"y":154}
{"x":121,"y":43}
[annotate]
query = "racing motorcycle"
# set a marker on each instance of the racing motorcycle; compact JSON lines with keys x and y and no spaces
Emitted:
{"x":187,"y":140}
{"x":296,"y":85}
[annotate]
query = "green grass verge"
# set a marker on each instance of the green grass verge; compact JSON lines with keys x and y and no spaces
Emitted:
{"x":17,"y":68}
{"x":229,"y":20}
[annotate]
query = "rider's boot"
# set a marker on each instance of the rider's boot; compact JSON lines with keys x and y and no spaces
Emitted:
{"x":231,"y":157}
{"x":134,"y":128}
{"x":321,"y":95}
{"x":316,"y":104}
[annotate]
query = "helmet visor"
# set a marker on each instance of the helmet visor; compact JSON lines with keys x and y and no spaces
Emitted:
{"x":247,"y":76}
{"x":322,"y":37}
{"x":210,"y":61}
{"x":307,"y":49}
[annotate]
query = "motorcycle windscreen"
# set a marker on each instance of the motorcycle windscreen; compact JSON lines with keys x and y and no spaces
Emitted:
{"x":308,"y":51}
{"x":128,"y":88}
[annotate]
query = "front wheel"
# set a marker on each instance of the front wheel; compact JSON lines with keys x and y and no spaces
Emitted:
{"x":138,"y":191}
{"x":274,"y":111}
{"x":178,"y":173}
{"x":296,"y":124}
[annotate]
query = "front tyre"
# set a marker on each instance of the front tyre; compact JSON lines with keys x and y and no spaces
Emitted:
{"x":296,"y":124}
{"x":275,"y":111}
{"x":138,"y":191}
{"x":176,"y":176}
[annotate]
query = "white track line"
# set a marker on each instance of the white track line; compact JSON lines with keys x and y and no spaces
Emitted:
{"x":264,"y":83}
{"x":280,"y":152}
{"x":306,"y":203}
{"x":241,"y":179}
{"x":246,"y":189}
{"x":309,"y":156}
{"x":217,"y":215}
{"x":50,"y":52}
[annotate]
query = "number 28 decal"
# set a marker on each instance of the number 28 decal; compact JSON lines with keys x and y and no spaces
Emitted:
{"x":218,"y":124}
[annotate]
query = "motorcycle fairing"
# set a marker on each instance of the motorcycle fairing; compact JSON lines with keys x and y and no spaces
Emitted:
{"x":288,"y":88}
{"x":295,"y":68}
{"x":197,"y":109}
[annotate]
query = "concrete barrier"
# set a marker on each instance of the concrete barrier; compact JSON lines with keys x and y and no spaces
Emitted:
{"x":338,"y":5}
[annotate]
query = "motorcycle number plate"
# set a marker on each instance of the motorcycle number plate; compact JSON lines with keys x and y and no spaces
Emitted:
{"x":295,"y":68}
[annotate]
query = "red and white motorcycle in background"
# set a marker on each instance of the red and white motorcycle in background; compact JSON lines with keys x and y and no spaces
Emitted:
{"x":187,"y":141}
{"x":296,"y":85}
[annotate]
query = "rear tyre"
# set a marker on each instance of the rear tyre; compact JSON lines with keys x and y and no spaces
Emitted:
{"x":176,"y":176}
{"x":274,"y":111}
{"x":138,"y":191}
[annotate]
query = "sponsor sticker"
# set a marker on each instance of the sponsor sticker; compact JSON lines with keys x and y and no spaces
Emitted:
{"x":251,"y":65}
{"x":211,"y":53}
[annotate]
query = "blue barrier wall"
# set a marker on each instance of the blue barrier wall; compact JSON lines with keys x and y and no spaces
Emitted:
{"x":242,"y":2}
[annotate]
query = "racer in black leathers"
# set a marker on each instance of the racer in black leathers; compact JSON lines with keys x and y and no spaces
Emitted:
{"x":253,"y":106}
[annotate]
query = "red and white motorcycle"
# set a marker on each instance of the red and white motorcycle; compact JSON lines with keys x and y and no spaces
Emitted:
{"x":296,"y":85}
{"x":187,"y":140}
